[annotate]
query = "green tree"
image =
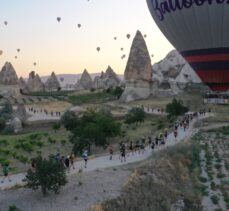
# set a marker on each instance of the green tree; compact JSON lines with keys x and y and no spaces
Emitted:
{"x":69,"y":120}
{"x":2,"y":124}
{"x":56,"y":126}
{"x":93,"y":128}
{"x":176,"y":108}
{"x":48,"y":175}
{"x":135,"y":115}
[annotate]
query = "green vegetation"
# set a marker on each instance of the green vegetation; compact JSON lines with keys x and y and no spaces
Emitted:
{"x":6,"y":111}
{"x":95,"y":97}
{"x":135,"y":115}
{"x":20,"y":149}
{"x":176,"y":108}
{"x":13,"y":208}
{"x":93,"y":128}
{"x":48,"y":175}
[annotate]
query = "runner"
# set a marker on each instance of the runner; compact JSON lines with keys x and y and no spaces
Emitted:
{"x":67,"y":163}
{"x":111,"y":152}
{"x":131,"y":148}
{"x":5,"y":170}
{"x":71,"y":159}
{"x":123,"y":153}
{"x":85,"y":157}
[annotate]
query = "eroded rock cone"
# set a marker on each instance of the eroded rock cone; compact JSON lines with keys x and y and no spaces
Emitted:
{"x":34,"y":83}
{"x":22,"y":85}
{"x":52,"y":83}
{"x":85,"y":81}
{"x":139,"y":62}
{"x":8,"y":75}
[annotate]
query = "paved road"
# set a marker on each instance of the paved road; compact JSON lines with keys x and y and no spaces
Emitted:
{"x":104,"y":162}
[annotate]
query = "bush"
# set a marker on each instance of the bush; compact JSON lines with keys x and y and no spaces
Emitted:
{"x":49,"y":175}
{"x":176,"y":108}
{"x":2,"y":124}
{"x":13,"y":208}
{"x":135,"y":115}
{"x":215,"y":199}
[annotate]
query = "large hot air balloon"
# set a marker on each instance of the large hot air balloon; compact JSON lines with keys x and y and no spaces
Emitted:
{"x":199,"y":31}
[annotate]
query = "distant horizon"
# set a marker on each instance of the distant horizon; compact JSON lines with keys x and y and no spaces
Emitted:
{"x":34,"y":35}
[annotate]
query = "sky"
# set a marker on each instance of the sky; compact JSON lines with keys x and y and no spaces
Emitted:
{"x":62,"y":47}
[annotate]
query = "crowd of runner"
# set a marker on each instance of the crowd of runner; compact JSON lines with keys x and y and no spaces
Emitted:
{"x":125,"y":149}
{"x":44,"y":111}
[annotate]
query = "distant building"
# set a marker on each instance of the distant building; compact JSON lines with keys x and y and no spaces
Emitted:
{"x":218,"y":99}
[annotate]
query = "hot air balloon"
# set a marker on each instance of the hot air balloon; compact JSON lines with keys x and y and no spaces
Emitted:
{"x":152,"y":55}
{"x":121,"y":49}
{"x":15,"y":57}
{"x":98,"y":49}
{"x":58,"y":19}
{"x":34,"y":64}
{"x":199,"y":31}
{"x":6,"y":23}
{"x":115,"y":38}
{"x":61,"y":79}
{"x":79,"y":25}
{"x":1,"y":52}
{"x":145,"y":35}
{"x":128,"y":36}
{"x":18,"y":50}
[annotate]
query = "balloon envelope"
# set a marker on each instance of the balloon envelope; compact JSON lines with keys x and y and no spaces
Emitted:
{"x":199,"y":31}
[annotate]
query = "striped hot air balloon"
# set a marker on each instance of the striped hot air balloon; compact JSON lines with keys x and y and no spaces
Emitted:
{"x":199,"y":31}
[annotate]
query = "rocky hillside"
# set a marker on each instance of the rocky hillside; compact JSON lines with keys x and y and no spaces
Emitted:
{"x":173,"y":68}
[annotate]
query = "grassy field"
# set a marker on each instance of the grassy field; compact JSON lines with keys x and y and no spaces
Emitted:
{"x":96,"y":97}
{"x":19,"y":149}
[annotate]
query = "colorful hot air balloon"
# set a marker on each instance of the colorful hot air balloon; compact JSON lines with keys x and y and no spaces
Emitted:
{"x":199,"y":31}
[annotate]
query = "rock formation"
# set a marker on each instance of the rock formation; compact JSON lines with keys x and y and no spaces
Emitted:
{"x":16,"y":125}
{"x":8,"y":75}
{"x":138,"y":73}
{"x":106,"y":80}
{"x":52,"y":83}
{"x":139,"y":62}
{"x":173,"y":69}
{"x":34,"y":83}
{"x":22,"y":85}
{"x":85,"y":82}
{"x":21,"y":113}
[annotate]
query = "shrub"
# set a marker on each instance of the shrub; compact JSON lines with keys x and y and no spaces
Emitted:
{"x":215,"y":199}
{"x":13,"y":208}
{"x":176,"y":108}
{"x":49,"y":175}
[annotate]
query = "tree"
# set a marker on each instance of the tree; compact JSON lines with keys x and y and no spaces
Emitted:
{"x":69,"y":120}
{"x":2,"y":124}
{"x":176,"y":108}
{"x":93,"y":128}
{"x":135,"y":115}
{"x":56,"y":126}
{"x":49,"y":175}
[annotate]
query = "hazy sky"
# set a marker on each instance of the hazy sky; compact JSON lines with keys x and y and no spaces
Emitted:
{"x":63,"y":47}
